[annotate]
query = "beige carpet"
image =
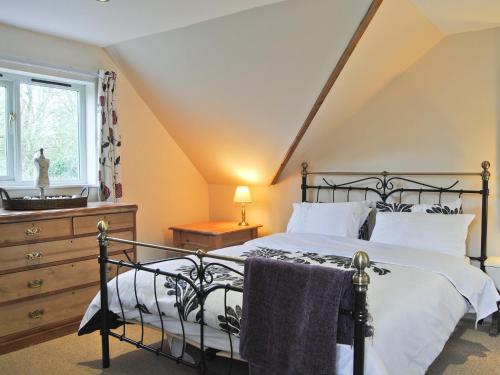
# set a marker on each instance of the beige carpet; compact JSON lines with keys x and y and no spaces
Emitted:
{"x":467,"y":352}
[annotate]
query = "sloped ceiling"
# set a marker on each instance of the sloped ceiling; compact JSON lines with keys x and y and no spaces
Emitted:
{"x":458,"y":16}
{"x":234,"y":91}
{"x":398,"y":36}
{"x":108,"y":23}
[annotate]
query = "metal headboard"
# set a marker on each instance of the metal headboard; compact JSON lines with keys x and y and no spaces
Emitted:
{"x":382,"y":184}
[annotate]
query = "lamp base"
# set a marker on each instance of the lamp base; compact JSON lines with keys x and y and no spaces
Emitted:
{"x":243,"y":222}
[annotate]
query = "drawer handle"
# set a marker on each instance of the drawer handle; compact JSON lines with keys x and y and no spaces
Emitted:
{"x":36,"y":314}
{"x":33,"y":231}
{"x":34,"y":255}
{"x":35,"y":283}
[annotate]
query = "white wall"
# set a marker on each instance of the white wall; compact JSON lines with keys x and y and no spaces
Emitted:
{"x":157,"y":175}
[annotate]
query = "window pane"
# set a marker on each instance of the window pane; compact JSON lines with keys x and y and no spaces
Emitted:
{"x":3,"y":131}
{"x":50,"y":120}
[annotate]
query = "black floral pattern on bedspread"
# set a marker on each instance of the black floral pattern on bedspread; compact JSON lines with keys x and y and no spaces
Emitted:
{"x":311,"y":258}
{"x":230,"y":322}
{"x":187,"y":298}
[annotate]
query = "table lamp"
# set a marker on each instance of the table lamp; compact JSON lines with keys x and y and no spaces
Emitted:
{"x":242,"y":195}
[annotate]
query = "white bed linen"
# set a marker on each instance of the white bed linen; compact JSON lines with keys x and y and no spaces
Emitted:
{"x":318,"y":218}
{"x":414,"y":308}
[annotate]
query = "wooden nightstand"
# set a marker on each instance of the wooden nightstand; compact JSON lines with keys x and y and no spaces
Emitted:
{"x":213,"y":235}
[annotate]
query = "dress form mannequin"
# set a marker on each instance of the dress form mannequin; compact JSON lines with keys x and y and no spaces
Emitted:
{"x":41,"y":172}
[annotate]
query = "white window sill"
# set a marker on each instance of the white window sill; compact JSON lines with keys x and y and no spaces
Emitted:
{"x":52,"y":187}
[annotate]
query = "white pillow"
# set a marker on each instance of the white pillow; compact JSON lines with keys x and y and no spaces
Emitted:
{"x":337,"y":219}
{"x":441,"y":233}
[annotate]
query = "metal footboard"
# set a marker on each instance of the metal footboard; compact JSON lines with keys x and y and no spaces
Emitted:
{"x":201,"y":281}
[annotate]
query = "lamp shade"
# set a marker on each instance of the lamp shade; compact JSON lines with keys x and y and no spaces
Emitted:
{"x":242,"y":195}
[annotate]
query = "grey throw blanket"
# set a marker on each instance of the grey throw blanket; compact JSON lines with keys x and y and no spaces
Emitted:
{"x":291,"y":321}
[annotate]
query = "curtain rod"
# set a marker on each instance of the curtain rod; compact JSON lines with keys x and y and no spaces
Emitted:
{"x":58,"y":68}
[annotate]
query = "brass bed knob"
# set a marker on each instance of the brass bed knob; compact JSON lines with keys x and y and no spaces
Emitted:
{"x":360,"y":261}
{"x":102,"y":226}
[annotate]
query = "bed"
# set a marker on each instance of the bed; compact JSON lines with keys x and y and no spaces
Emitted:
{"x":415,"y":298}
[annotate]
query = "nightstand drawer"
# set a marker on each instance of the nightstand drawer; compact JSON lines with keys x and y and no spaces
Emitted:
{"x":88,"y":224}
{"x":13,"y":257}
{"x":195,"y":239}
{"x":33,"y":231}
{"x":237,"y":238}
{"x":19,"y":285}
{"x":43,"y":311}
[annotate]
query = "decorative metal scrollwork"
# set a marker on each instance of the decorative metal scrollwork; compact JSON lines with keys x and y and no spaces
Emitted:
{"x":383,"y":186}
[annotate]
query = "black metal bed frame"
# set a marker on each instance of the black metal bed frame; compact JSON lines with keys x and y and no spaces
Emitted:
{"x":382,"y":184}
{"x":201,"y":279}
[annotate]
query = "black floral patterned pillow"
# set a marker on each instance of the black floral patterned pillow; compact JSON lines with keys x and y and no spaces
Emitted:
{"x":443,"y":209}
{"x":448,"y":208}
{"x":439,"y":209}
{"x":365,"y":231}
{"x":451,"y":208}
{"x":394,"y":207}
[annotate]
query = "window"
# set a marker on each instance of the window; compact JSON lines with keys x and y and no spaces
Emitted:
{"x":4,"y":111}
{"x":43,"y":112}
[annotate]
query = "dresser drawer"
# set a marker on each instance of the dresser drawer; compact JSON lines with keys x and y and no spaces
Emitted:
{"x":88,"y":224}
{"x":18,"y":285}
{"x":32,"y":231}
{"x":43,"y":311}
{"x":13,"y":257}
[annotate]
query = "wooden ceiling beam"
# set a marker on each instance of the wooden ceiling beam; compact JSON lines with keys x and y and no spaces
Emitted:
{"x":329,"y":84}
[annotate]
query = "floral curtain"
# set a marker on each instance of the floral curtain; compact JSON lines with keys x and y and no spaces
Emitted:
{"x":110,"y":187}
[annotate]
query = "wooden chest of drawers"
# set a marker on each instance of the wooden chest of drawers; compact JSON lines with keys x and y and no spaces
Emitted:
{"x":49,"y":271}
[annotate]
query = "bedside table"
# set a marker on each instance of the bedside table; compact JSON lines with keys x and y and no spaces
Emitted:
{"x":213,"y":235}
{"x":492,"y":266}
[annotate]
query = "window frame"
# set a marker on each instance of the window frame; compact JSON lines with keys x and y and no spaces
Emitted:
{"x":9,"y":134}
{"x":14,"y":161}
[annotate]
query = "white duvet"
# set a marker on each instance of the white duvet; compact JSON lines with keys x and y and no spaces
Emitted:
{"x":415,"y":298}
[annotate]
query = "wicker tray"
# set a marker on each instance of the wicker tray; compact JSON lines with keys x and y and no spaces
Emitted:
{"x":52,"y":203}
